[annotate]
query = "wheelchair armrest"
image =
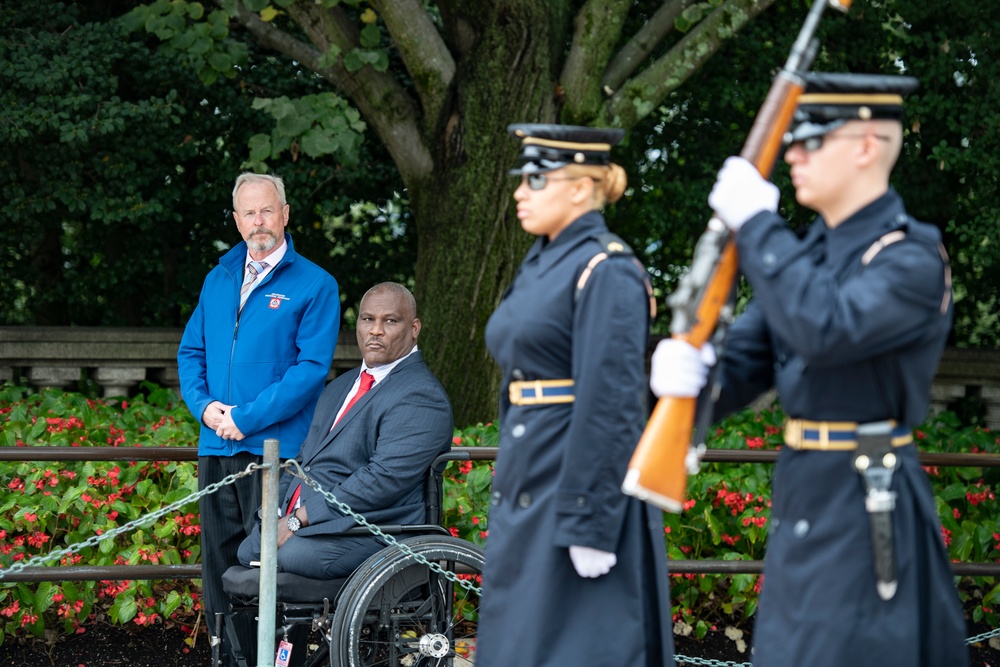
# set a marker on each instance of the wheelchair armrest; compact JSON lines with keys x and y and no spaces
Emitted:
{"x":397,"y":529}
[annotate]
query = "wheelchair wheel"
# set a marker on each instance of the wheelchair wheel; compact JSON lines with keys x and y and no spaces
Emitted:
{"x":397,"y":612}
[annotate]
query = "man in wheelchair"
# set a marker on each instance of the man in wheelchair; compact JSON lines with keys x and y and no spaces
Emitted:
{"x":375,"y":432}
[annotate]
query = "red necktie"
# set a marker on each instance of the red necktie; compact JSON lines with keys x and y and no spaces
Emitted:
{"x":367,"y":380}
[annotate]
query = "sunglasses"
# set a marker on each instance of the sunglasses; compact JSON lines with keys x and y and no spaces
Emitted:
{"x":813,"y":144}
{"x":539,"y":181}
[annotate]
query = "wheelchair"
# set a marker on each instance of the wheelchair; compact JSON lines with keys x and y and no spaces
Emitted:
{"x":392,"y":611}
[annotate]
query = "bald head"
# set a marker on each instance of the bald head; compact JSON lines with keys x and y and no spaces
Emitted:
{"x":387,"y":324}
{"x":398,"y":291}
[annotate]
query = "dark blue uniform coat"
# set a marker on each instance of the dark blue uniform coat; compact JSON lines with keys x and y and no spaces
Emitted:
{"x":845,"y":341}
{"x":560,"y":468}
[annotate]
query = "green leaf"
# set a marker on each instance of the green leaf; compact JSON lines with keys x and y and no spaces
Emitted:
{"x":135,"y":19}
{"x":165,"y":530}
{"x":124,"y":609}
{"x":316,"y":143}
{"x":171,"y":604}
{"x":370,"y":36}
{"x":329,"y":59}
{"x":106,"y":546}
{"x":43,"y":596}
{"x":201,"y":45}
{"x":220,"y":61}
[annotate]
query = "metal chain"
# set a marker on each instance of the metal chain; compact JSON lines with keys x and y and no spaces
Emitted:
{"x":138,"y":523}
{"x":986,"y":635}
{"x":375,"y":530}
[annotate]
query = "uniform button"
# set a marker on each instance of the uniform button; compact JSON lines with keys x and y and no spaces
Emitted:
{"x":307,"y":468}
{"x":801,"y":528}
{"x":901,"y":217}
{"x":769,"y":259}
{"x":517,"y":374}
{"x":581,"y":501}
{"x":495,"y":498}
{"x":518,"y":430}
{"x":524,"y":500}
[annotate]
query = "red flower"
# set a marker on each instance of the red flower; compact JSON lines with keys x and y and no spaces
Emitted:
{"x":37,"y":539}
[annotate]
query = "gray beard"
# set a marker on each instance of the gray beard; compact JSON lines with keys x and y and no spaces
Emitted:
{"x":262,"y":246}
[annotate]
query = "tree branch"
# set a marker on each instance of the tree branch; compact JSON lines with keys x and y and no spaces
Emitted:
{"x":383,"y":103}
{"x":596,"y":29}
{"x":639,"y":96}
{"x":424,"y":53}
{"x":642,"y":44}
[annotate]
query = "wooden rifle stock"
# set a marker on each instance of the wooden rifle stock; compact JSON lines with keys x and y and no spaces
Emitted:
{"x":660,"y":464}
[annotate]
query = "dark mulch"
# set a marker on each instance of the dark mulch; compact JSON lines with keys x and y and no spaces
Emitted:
{"x":105,"y":645}
{"x":112,"y":646}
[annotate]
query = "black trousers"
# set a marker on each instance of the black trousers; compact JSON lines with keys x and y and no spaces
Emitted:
{"x":227,"y":517}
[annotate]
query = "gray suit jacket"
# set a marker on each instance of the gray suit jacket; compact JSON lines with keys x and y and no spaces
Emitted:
{"x":376,"y":457}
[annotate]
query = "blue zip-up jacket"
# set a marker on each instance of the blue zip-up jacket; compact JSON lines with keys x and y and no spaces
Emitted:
{"x":271,"y":361}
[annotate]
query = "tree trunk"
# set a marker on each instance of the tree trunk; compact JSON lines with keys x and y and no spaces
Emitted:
{"x":469,"y":239}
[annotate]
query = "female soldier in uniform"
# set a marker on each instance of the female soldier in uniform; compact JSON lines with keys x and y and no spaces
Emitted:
{"x":575,"y":570}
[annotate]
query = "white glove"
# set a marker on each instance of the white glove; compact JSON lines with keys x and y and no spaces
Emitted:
{"x":590,"y":562}
{"x":679,"y":369}
{"x":740,"y":193}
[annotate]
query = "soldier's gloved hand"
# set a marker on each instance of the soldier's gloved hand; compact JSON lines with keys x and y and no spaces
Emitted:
{"x":740,"y":193}
{"x":679,"y":369}
{"x":590,"y":562}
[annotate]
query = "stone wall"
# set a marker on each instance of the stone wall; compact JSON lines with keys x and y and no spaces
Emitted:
{"x":118,"y":359}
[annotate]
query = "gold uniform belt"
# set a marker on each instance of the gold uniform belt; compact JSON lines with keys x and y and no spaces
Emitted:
{"x":836,"y":436}
{"x":539,"y":392}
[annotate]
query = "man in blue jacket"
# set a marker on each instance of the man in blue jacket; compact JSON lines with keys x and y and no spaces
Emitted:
{"x":252,"y":362}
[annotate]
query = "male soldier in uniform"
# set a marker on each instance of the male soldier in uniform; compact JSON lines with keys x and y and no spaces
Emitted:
{"x":848,"y":323}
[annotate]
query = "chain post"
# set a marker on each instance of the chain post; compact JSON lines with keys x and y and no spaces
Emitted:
{"x":268,"y":593}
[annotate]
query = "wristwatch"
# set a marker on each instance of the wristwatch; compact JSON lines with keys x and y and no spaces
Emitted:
{"x":293,"y":523}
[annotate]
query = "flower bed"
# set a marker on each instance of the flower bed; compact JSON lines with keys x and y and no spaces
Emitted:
{"x":45,"y":507}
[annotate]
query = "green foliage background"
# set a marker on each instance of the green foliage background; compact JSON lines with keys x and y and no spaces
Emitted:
{"x":948,"y":174}
{"x":117,"y":163}
{"x":117,"y":169}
